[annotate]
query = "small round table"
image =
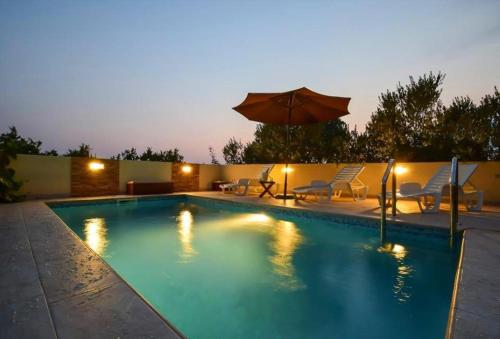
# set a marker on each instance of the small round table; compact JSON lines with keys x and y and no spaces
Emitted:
{"x":267,"y":188}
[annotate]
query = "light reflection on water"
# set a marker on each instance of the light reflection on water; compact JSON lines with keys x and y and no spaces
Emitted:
{"x":285,"y":240}
{"x":185,"y":231}
{"x":400,"y":288}
{"x":95,"y":231}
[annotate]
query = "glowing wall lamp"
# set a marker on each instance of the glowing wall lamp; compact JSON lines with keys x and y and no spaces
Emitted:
{"x":96,"y":166}
{"x":186,"y":169}
{"x":287,"y":170}
{"x":401,"y":170}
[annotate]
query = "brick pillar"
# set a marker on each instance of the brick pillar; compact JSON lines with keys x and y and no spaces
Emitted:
{"x":186,"y":181}
{"x":93,"y":182}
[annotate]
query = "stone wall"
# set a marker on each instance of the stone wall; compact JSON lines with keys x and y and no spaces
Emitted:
{"x":48,"y":176}
{"x":88,"y":182}
{"x":186,"y":181}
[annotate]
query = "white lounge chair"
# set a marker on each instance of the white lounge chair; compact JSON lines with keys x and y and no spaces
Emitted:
{"x":243,"y":186}
{"x":430,"y":196}
{"x":345,"y":179}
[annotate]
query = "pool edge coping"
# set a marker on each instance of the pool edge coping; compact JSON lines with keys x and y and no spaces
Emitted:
{"x":456,"y":282}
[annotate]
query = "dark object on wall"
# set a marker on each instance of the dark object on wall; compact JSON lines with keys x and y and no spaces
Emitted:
{"x":134,"y":188}
{"x":216,"y":185}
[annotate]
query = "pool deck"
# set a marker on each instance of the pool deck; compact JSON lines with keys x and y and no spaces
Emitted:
{"x":53,"y":286}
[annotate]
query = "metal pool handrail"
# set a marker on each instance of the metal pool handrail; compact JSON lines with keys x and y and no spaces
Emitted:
{"x":453,"y":198}
{"x":383,"y":208}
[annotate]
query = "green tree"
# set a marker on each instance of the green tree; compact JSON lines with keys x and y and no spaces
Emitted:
{"x":233,"y":151}
{"x":16,"y":144}
{"x":315,"y":143}
{"x":467,"y":130}
{"x":455,"y":133}
{"x":411,"y":124}
{"x":335,"y":142}
{"x":128,"y":154}
{"x":403,"y":124}
{"x":82,"y":151}
{"x":167,"y":156}
{"x":213,"y":157}
{"x":52,"y":152}
{"x":358,"y":147}
{"x":9,"y":186}
{"x":173,"y":155}
{"x":490,"y":107}
{"x":10,"y":145}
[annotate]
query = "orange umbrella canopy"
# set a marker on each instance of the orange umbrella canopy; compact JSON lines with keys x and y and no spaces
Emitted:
{"x":298,"y":107}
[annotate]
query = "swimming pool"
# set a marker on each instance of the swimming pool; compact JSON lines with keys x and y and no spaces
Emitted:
{"x":227,"y":270}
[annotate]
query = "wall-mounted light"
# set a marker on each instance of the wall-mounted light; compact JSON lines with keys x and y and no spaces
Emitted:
{"x":400,"y":170}
{"x":96,"y":166}
{"x":287,"y":170}
{"x":186,"y":169}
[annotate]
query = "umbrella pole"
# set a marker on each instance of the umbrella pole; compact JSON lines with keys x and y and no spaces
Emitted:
{"x":287,"y":158}
{"x":290,"y":104}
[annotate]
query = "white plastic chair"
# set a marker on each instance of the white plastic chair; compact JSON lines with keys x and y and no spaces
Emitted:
{"x":345,"y":179}
{"x":430,"y":196}
{"x":243,"y":186}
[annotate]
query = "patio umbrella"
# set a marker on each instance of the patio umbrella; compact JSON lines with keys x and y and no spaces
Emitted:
{"x":298,"y":107}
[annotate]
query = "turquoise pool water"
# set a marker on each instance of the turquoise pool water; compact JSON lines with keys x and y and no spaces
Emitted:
{"x":223,"y":271}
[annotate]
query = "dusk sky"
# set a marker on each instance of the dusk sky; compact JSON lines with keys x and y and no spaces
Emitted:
{"x":120,"y":74}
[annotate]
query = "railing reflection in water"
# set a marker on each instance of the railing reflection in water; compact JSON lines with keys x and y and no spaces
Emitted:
{"x":401,"y":288}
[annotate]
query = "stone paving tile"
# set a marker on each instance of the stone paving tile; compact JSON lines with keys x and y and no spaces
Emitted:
{"x":85,"y":297}
{"x":74,"y":274}
{"x":11,"y":215}
{"x":65,"y":265}
{"x":16,"y":261}
{"x":50,"y":237}
{"x":13,"y":239}
{"x":470,"y":325}
{"x":17,"y":268}
{"x":55,"y":246}
{"x":24,"y":312}
{"x":23,"y":307}
{"x":476,"y":312}
{"x":108,"y":313}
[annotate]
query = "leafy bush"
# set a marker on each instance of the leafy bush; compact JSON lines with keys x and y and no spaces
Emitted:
{"x":10,"y":144}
